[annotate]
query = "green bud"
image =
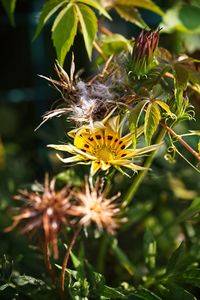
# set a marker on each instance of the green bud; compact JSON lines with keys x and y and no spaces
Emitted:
{"x":143,"y":55}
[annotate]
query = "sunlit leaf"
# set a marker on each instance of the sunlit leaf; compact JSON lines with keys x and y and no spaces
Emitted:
{"x":152,"y":119}
{"x":181,"y":17}
{"x":165,"y":107}
{"x":181,"y":76}
{"x":113,"y":44}
{"x":146,"y":4}
{"x":131,"y":14}
{"x":98,"y":6}
{"x":64,"y":31}
{"x":9,"y":6}
{"x":88,"y":22}
{"x":49,"y":8}
{"x":134,"y":119}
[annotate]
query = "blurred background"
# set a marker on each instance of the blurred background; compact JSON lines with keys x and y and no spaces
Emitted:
{"x":25,"y":97}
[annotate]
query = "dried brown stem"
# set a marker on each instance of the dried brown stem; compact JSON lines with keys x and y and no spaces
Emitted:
{"x":47,"y":261}
{"x":99,"y":50}
{"x":66,"y":259}
{"x":104,"y":30}
{"x":181,"y":141}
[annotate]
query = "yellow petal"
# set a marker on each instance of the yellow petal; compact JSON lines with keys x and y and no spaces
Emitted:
{"x":68,"y":148}
{"x":105,"y":165}
{"x":70,"y":159}
{"x":95,"y":167}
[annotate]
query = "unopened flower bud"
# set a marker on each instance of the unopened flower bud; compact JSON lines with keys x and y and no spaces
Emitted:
{"x":143,"y":54}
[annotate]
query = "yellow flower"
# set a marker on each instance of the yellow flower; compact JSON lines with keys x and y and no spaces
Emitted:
{"x":102,"y":145}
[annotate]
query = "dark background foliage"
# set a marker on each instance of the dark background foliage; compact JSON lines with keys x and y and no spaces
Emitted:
{"x":25,"y":97}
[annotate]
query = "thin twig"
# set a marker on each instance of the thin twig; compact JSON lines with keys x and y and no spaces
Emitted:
{"x":99,"y":50}
{"x":66,"y":259}
{"x":47,"y":261}
{"x":181,"y":141}
{"x":104,"y":30}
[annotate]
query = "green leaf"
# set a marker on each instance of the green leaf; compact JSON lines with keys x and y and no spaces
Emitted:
{"x":113,"y":44}
{"x":189,"y":212}
{"x":49,"y":8}
{"x":165,"y":107}
{"x":122,"y":257}
{"x":146,"y":294}
{"x":64,"y":31}
{"x":189,"y":16}
{"x":6,"y":285}
{"x":9,"y":6}
{"x":24,"y":280}
{"x":181,"y":76}
{"x":191,"y":277}
{"x":110,"y":293}
{"x":88,"y":22}
{"x":175,"y":259}
{"x":131,"y":14}
{"x":181,"y":17}
{"x":134,"y":119}
{"x":146,"y":4}
{"x":98,"y":6}
{"x":176,"y":292}
{"x":150,"y":249}
{"x":152,"y":119}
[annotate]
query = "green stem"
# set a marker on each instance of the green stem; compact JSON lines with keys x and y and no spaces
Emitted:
{"x":102,"y":253}
{"x":139,"y":178}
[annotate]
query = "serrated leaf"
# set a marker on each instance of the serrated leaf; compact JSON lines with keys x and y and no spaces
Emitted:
{"x":150,"y":249}
{"x":165,"y":107}
{"x":9,"y":6}
{"x":175,"y":259}
{"x":181,"y":76}
{"x":49,"y":8}
{"x":64,"y":31}
{"x":134,"y":119}
{"x":131,"y":14}
{"x":152,"y":119}
{"x":146,"y":4}
{"x":88,"y":22}
{"x":98,"y":6}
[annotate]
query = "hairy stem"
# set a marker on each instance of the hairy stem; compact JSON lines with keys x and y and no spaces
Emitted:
{"x":181,"y":141}
{"x":140,"y":176}
{"x":66,"y":259}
